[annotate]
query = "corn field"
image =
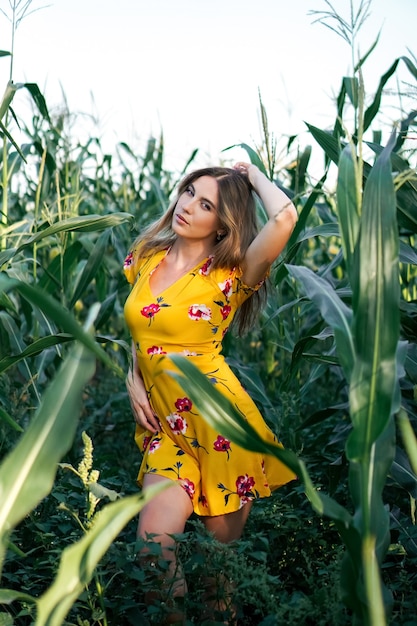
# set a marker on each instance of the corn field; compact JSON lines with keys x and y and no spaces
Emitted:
{"x":332,"y":366}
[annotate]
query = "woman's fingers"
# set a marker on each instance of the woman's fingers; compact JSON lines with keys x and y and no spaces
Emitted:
{"x":141,"y":409}
{"x":145,"y":417}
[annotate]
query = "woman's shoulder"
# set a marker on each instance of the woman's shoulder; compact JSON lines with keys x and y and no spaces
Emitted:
{"x":215,"y":273}
{"x":229,"y":281}
{"x":135,"y":263}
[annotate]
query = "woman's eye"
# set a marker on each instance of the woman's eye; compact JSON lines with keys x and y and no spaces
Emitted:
{"x":189,"y":191}
{"x":206,"y":206}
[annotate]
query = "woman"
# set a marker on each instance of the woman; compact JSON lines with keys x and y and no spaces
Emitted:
{"x":203,"y":262}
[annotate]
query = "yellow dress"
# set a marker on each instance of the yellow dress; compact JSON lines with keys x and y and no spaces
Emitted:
{"x":191,"y":317}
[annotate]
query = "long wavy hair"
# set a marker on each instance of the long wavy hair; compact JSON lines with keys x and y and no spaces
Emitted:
{"x":236,"y":211}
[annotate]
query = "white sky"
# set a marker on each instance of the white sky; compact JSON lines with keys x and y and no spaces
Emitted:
{"x":193,"y":67}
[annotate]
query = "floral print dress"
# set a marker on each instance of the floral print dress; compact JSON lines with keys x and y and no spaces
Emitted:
{"x":191,"y":317}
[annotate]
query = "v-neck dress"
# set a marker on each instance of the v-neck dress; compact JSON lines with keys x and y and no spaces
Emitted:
{"x":191,"y":317}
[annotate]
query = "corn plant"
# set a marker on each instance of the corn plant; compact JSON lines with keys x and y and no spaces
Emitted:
{"x":365,"y":305}
{"x":371,"y":361}
{"x":27,"y":475}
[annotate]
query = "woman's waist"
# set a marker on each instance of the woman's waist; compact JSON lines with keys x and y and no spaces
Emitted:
{"x":150,"y":351}
{"x":155,"y":358}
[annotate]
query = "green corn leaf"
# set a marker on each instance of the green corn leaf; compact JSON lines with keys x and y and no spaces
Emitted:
{"x":12,"y":141}
{"x":402,"y":472}
{"x":95,"y":261}
{"x":347,"y":207}
{"x":35,"y":348}
{"x":252,"y":154}
{"x":84,"y":223}
{"x":79,"y":561}
{"x":306,"y":210}
{"x":28,"y":472}
{"x":352,"y":89}
{"x":374,"y":393}
{"x":330,"y":144}
{"x":38,"y":99}
{"x":409,"y":438}
{"x":10,"y":421}
{"x":56,"y":275}
{"x":362,"y":60}
{"x":301,"y":233}
{"x":252,"y":382}
{"x":332,"y":309}
{"x":376,"y":306}
{"x":330,"y":229}
{"x":106,"y":309}
{"x":7,"y":596}
{"x":224,"y":417}
{"x":58,"y":314}
{"x":6,"y":255}
{"x":373,"y":109}
{"x":407,"y":254}
{"x":375,"y":469}
{"x":8,"y":96}
{"x":407,"y":206}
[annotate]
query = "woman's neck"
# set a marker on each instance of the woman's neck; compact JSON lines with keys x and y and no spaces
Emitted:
{"x":183,"y":255}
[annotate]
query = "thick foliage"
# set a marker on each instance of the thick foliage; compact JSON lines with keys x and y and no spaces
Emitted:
{"x":328,"y":373}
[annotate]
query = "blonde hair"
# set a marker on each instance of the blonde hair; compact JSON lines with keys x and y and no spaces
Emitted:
{"x":236,"y":211}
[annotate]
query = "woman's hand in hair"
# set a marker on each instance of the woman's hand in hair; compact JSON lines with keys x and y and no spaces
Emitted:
{"x":274,"y":236}
{"x":250,"y":170}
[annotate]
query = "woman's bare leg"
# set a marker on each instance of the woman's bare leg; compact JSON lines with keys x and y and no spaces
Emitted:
{"x":228,"y":527}
{"x":225,"y":528}
{"x":162,"y":516}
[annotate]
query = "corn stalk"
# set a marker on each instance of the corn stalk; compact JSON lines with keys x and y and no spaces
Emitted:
{"x":367,"y":339}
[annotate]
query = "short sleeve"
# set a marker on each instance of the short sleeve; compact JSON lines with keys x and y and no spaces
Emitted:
{"x":231,"y":285}
{"x":242,"y":291}
{"x":131,"y":266}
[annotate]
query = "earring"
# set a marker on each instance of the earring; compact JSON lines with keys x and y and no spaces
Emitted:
{"x":219,"y":236}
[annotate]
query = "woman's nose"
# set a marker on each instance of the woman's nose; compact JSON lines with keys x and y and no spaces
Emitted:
{"x":187,"y":205}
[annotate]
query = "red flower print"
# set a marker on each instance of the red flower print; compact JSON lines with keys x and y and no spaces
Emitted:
{"x":151,"y":310}
{"x":128,"y":260}
{"x":205,"y":269}
{"x":221,"y":444}
{"x":199,"y":312}
{"x":244,"y":484}
{"x":226,"y":287}
{"x":155,"y":350}
{"x":145,"y":443}
{"x":225,"y":310}
{"x":183,"y":404}
{"x":188,"y":486}
{"x":155,"y":444}
{"x":177,"y":424}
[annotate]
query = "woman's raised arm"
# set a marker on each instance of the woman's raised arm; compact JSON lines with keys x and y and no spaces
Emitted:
{"x":274,"y":236}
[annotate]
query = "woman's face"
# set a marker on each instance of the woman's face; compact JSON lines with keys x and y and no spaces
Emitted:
{"x":195,"y":216}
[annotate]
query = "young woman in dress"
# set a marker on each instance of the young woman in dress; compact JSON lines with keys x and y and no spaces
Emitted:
{"x":198,"y":268}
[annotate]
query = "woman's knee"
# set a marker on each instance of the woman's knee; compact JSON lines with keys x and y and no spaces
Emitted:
{"x":166,"y":512}
{"x":228,"y":527}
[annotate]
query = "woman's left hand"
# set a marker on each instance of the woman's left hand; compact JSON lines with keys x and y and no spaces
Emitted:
{"x":248,"y":169}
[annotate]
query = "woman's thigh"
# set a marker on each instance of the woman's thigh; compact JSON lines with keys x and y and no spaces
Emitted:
{"x":167,"y":512}
{"x":228,"y":527}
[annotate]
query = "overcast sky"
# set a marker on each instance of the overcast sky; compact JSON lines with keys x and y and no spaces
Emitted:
{"x":194,"y":67}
